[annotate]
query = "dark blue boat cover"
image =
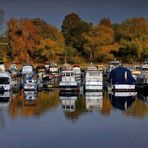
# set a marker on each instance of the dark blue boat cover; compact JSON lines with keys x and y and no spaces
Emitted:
{"x":121,"y":75}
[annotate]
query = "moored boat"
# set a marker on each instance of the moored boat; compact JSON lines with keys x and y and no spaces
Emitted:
{"x":93,"y":79}
{"x":78,"y":74}
{"x":121,"y":79}
{"x":5,"y":82}
{"x":142,"y":79}
{"x":30,"y":83}
{"x":68,"y":81}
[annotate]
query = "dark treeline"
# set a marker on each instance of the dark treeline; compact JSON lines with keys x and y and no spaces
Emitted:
{"x":37,"y":41}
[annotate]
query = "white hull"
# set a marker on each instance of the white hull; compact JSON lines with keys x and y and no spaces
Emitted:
{"x":68,"y":82}
{"x":92,"y":86}
{"x":125,"y":94}
{"x":123,"y":87}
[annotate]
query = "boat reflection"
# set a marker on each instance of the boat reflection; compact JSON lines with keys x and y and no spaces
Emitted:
{"x":122,"y":100}
{"x":28,"y":104}
{"x":5,"y":98}
{"x":94,"y":101}
{"x":68,"y":101}
{"x":143,"y":96}
{"x":30,"y":98}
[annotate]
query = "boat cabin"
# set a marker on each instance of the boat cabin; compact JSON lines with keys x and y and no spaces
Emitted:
{"x":5,"y":81}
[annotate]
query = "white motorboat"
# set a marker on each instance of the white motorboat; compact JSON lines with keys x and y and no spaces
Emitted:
{"x":68,"y":81}
{"x":30,"y":83}
{"x":77,"y":70}
{"x":142,"y":79}
{"x":54,"y":69}
{"x":93,"y":79}
{"x":27,"y":69}
{"x":5,"y":81}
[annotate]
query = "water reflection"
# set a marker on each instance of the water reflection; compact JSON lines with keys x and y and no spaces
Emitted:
{"x":143,"y":96}
{"x":140,"y":107}
{"x":68,"y":101}
{"x":73,"y":105}
{"x":30,"y":104}
{"x":122,"y":100}
{"x":5,"y":99}
{"x":94,"y":101}
{"x":30,"y":98}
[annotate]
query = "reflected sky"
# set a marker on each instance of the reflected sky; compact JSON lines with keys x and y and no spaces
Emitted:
{"x":47,"y":124}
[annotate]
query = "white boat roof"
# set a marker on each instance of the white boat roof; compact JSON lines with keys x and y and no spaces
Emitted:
{"x":144,"y":66}
{"x":68,"y":71}
{"x":92,"y":67}
{"x":4,"y":74}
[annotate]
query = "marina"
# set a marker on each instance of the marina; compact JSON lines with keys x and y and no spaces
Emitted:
{"x":60,"y":102}
{"x":73,"y":74}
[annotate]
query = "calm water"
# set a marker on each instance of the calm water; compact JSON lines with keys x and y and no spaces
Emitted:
{"x":92,"y":120}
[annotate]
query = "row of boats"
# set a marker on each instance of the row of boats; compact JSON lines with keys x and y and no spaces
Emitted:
{"x":71,"y":79}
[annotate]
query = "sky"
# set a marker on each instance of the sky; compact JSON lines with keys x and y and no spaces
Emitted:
{"x":54,"y":11}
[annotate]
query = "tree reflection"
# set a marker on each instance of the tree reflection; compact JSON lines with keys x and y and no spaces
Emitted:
{"x":43,"y":102}
{"x":106,"y":106}
{"x":138,"y":109}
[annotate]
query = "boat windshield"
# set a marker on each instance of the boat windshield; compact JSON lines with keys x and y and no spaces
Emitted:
{"x":4,"y":80}
{"x":68,"y":74}
{"x":115,"y":63}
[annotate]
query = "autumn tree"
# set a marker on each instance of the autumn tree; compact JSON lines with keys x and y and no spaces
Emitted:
{"x":99,"y":43}
{"x":23,"y":38}
{"x":35,"y":40}
{"x":132,"y":35}
{"x":51,"y":45}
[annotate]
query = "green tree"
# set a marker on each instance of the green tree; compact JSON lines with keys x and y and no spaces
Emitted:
{"x":72,"y":28}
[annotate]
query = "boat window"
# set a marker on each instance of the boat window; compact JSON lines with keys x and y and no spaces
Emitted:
{"x":144,"y":69}
{"x":68,"y":107}
{"x":4,"y":80}
{"x":68,"y":74}
{"x":115,"y":63}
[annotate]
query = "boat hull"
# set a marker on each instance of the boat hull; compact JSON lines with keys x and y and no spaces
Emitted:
{"x":123,"y":87}
{"x":93,"y":86}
